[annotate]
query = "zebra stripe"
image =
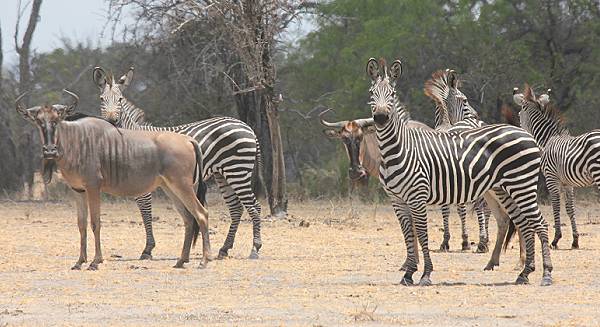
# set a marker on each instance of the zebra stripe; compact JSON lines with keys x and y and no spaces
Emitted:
{"x":230,"y":151}
{"x":567,"y":161}
{"x":429,"y":167}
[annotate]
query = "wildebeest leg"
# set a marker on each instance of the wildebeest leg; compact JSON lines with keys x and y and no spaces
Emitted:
{"x":502,"y":220}
{"x":186,"y":195}
{"x":93,"y":199}
{"x":82,"y":212}
{"x":188,"y":221}
{"x":235,"y":212}
{"x":144,"y":203}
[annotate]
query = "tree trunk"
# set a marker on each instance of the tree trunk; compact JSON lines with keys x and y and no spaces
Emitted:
{"x":28,"y":164}
{"x":278,"y":195}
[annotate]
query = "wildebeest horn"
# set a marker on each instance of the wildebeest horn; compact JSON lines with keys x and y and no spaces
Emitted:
{"x":75,"y":98}
{"x":364,"y":122}
{"x":331,"y":125}
{"x":20,"y":108}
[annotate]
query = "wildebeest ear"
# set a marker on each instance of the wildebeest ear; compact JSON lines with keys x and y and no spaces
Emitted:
{"x":369,"y":129}
{"x":99,"y":77}
{"x":396,"y":70}
{"x":332,"y":134}
{"x":126,"y":79}
{"x":373,"y":69}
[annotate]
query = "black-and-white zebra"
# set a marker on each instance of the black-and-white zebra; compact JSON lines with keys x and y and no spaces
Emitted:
{"x":229,"y":153}
{"x":443,"y":124}
{"x":567,"y":161}
{"x":425,"y":167}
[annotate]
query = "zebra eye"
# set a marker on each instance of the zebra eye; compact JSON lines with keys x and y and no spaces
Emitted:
{"x":121,"y":98}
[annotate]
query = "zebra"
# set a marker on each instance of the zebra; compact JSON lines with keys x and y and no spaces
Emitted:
{"x":230,"y":151}
{"x":442,"y":124}
{"x":567,"y":161}
{"x":429,"y":167}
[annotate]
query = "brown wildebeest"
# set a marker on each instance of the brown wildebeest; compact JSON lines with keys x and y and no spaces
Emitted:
{"x":94,"y":156}
{"x":360,"y":143}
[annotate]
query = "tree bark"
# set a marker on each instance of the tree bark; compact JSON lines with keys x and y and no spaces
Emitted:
{"x":278,"y":195}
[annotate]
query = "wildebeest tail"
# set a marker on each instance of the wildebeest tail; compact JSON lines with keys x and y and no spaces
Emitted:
{"x":512,"y":229}
{"x":200,"y":190}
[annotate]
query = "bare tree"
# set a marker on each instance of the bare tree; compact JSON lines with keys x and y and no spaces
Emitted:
{"x":251,"y":29}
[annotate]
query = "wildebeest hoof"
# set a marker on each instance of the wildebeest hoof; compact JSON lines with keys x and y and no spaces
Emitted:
{"x":179,"y":264}
{"x":146,"y":256}
{"x":490,"y":266}
{"x":93,"y":266}
{"x":406,"y":281}
{"x":522,"y":280}
{"x":77,"y":266}
{"x":546,"y":281}
{"x":425,"y":281}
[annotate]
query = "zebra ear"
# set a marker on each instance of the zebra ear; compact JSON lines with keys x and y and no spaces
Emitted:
{"x":396,"y":70}
{"x":99,"y":77}
{"x":452,"y":78}
{"x":126,"y":79}
{"x":373,"y":69}
{"x":528,"y":93}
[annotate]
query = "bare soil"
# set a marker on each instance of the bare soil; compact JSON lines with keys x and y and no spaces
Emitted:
{"x":328,"y":264}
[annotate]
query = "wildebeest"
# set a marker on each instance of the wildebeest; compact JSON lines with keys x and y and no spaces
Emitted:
{"x":94,"y":156}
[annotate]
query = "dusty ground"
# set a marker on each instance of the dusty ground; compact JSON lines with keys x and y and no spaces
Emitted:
{"x":341,"y":269}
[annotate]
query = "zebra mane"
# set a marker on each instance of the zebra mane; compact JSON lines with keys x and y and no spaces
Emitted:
{"x":437,"y":88}
{"x":552,"y":112}
{"x":135,"y":114}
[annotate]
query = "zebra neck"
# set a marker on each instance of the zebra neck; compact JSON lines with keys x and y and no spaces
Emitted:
{"x":394,"y":132}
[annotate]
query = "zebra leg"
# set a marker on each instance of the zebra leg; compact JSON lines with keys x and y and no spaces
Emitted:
{"x":482,"y":247}
{"x":410,"y":264}
{"x":445,"y":246}
{"x":253,"y":208}
{"x":144,"y":203}
{"x":528,"y":205}
{"x":462,"y":213}
{"x":554,"y":189}
{"x":418,"y":212}
{"x":570,"y":206}
{"x":235,"y":212}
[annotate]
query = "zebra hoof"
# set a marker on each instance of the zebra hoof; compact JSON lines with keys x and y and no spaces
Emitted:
{"x":546,"y":281}
{"x":77,"y":266}
{"x":407,"y":281}
{"x":522,"y":281}
{"x":482,"y":248}
{"x":575,"y":245}
{"x":179,"y":264}
{"x":445,"y":247}
{"x":425,"y":281}
{"x":253,"y":255}
{"x":146,"y":256}
{"x":93,"y":266}
{"x":466,"y":246}
{"x":202,"y":265}
{"x":222,"y":255}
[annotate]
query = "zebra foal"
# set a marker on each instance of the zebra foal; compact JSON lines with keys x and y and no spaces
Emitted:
{"x":427,"y":167}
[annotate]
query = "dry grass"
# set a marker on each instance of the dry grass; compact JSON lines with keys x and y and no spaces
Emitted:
{"x":339,"y":267}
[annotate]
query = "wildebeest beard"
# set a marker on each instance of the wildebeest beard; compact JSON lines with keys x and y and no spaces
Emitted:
{"x":48,"y":166}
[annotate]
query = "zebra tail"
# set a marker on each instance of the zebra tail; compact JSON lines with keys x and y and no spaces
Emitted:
{"x":512,"y":229}
{"x":258,"y":186}
{"x":200,"y":191}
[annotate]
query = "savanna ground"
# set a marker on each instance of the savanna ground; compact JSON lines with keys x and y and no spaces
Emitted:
{"x":328,"y":264}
